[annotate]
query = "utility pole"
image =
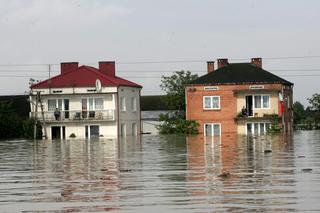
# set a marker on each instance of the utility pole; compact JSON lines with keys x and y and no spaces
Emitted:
{"x":42,"y":115}
{"x":35,"y":117}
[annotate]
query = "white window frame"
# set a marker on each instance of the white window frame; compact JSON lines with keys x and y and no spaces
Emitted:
{"x":259,"y":131}
{"x":261,"y":101}
{"x":212,"y":126}
{"x":211,"y":97}
{"x":134,"y":104}
{"x":123,"y":107}
{"x":94,"y":103}
{"x":57,"y":103}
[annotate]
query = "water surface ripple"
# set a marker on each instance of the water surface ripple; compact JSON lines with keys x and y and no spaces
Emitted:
{"x":162,"y":174}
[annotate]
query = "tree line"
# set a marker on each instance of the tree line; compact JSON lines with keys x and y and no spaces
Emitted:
{"x":307,"y":118}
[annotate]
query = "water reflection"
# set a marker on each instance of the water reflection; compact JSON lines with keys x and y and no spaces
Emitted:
{"x":161,"y":174}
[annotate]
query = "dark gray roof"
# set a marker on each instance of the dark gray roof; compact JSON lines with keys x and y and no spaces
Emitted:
{"x":240,"y":73}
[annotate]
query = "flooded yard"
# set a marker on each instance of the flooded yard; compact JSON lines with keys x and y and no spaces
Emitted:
{"x":163,"y":174}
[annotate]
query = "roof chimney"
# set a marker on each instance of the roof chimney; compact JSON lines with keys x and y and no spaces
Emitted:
{"x":107,"y":68}
{"x":68,"y":66}
{"x":222,"y":62}
{"x":257,"y":62}
{"x":210,"y":66}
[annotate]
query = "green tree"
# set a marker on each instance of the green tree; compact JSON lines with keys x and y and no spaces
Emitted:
{"x":10,"y":122}
{"x":175,"y":122}
{"x":298,"y":113}
{"x":174,"y":87}
{"x":314,"y":101}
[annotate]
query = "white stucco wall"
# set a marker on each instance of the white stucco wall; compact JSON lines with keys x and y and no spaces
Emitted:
{"x":129,"y":116}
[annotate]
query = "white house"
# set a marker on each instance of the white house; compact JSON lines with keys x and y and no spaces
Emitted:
{"x":87,"y":102}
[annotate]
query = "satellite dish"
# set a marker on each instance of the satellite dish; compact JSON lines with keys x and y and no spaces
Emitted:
{"x":98,"y":85}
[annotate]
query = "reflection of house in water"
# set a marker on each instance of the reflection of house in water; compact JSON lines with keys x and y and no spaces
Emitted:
{"x":83,"y":171}
{"x":239,"y":98}
{"x":254,"y":174}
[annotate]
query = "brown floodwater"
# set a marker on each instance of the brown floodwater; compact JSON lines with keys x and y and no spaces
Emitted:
{"x":278,"y":173}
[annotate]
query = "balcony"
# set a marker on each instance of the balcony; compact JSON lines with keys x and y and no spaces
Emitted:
{"x":76,"y":115}
{"x":256,"y":118}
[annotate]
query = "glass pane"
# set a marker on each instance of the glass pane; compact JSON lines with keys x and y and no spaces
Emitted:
{"x":256,"y":128}
{"x":257,"y":101}
{"x":216,"y":129}
{"x":134,"y":129}
{"x":60,"y":104}
{"x":84,"y":104}
{"x":133,"y":104}
{"x":265,"y":101}
{"x":51,"y":105}
{"x":207,"y":103}
{"x":262,"y":128}
{"x":99,"y":103}
{"x":208,"y":129}
{"x":94,"y":131}
{"x":122,"y":104}
{"x":267,"y":126}
{"x":215,"y":102}
{"x":249,"y":129}
{"x":90,"y":103}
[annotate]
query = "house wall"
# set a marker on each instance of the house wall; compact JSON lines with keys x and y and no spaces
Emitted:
{"x":129,"y":116}
{"x":274,"y":102}
{"x":231,"y":102}
{"x":108,"y":130}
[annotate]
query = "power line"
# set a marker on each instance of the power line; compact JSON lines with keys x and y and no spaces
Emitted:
{"x":175,"y":61}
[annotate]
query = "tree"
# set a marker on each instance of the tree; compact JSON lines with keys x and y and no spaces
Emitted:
{"x":174,"y":86}
{"x":298,"y":113}
{"x":174,"y":122}
{"x":314,"y":101}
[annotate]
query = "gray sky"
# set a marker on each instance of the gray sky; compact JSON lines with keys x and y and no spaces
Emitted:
{"x":49,"y":32}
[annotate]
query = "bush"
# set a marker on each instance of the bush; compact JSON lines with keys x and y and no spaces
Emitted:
{"x":72,"y":135}
{"x":174,"y":124}
{"x":28,"y":127}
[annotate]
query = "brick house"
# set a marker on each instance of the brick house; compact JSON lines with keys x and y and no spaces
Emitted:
{"x":87,"y":102}
{"x":239,"y":98}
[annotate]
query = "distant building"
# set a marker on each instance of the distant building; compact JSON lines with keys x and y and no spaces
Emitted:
{"x":88,"y":102}
{"x":151,"y":108}
{"x":239,"y":98}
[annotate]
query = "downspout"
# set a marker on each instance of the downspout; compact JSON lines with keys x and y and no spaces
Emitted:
{"x":118,"y":114}
{"x":140,"y":121}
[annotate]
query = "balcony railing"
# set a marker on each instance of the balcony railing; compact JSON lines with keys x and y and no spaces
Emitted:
{"x":76,"y":115}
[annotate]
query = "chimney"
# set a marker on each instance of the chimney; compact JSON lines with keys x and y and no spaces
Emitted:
{"x":107,"y":68}
{"x":257,"y":62}
{"x":222,"y":62}
{"x":68,"y":66}
{"x":210,"y":66}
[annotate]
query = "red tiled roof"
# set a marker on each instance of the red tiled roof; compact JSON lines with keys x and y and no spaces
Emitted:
{"x":84,"y":76}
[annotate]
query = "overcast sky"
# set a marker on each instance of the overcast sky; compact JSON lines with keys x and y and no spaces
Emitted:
{"x":88,"y":31}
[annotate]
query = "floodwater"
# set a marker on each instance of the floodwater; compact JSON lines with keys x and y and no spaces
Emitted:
{"x":163,"y":174}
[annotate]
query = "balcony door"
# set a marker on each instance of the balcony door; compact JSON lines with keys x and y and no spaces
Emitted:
{"x":249,"y":105}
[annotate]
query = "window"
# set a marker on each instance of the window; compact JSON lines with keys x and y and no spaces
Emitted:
{"x":261,"y":101}
{"x":56,"y":103}
{"x":212,"y":129}
{"x":211,"y":102}
{"x":52,"y":105}
{"x":134,"y":104}
{"x":98,"y":103}
{"x":134,"y":129}
{"x":257,"y":128}
{"x":92,"y":104}
{"x":123,"y":104}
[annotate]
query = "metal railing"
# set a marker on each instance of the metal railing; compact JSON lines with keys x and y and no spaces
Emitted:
{"x":74,"y":115}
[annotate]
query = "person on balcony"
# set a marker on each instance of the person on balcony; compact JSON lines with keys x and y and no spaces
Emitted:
{"x":57,"y":114}
{"x":244,"y":111}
